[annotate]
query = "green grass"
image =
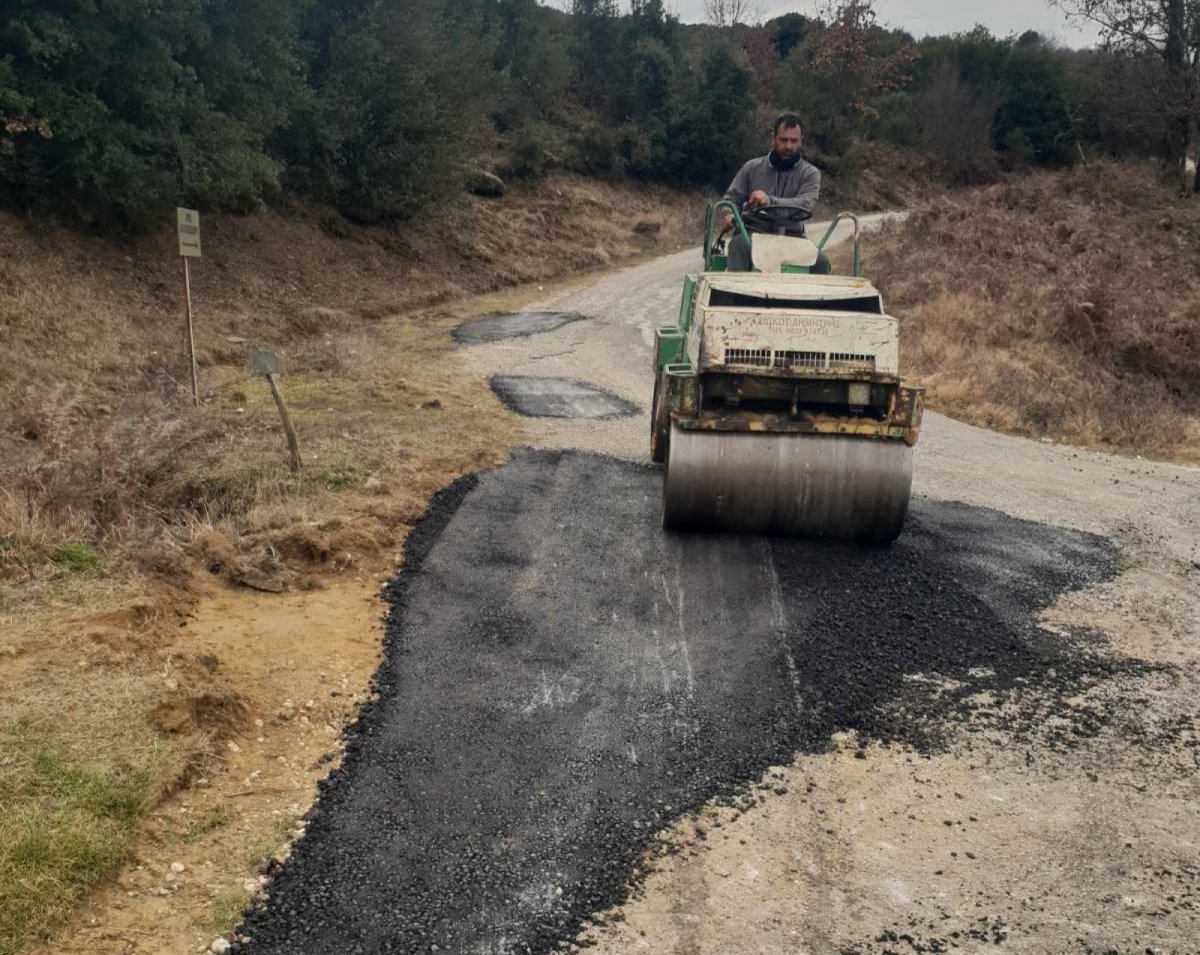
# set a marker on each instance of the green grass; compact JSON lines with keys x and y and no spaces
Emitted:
{"x":62,"y":828}
{"x":214,"y":819}
{"x":339,"y":478}
{"x":270,"y":840}
{"x":225,"y":911}
{"x":76,"y":556}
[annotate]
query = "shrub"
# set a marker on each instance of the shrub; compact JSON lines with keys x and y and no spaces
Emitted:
{"x":956,"y":126}
{"x":76,"y":556}
{"x":527,"y":155}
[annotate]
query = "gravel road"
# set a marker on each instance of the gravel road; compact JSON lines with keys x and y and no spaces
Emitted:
{"x":983,"y":735}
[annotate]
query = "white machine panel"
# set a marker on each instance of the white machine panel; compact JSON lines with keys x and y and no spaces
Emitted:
{"x":811,"y":338}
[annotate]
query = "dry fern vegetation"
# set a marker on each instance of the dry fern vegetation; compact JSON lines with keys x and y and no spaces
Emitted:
{"x":121,"y":503}
{"x":1057,"y":304}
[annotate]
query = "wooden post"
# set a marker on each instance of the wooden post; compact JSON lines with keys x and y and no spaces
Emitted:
{"x":187,"y":297}
{"x":293,"y":442}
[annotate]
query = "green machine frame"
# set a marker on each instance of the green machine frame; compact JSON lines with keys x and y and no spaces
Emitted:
{"x":677,"y":383}
{"x":715,"y":261}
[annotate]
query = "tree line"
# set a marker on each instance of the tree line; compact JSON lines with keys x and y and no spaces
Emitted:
{"x":112,"y":113}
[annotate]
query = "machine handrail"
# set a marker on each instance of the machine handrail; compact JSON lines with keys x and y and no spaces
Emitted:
{"x":856,"y":269}
{"x":710,"y":219}
{"x":725,"y":204}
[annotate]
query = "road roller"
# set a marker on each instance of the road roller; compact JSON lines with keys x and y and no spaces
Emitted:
{"x":778,"y":403}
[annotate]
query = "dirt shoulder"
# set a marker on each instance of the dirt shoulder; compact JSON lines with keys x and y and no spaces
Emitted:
{"x":187,"y":626}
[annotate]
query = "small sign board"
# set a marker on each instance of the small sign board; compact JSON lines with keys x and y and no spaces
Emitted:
{"x":265,"y":362}
{"x":188,"y":224}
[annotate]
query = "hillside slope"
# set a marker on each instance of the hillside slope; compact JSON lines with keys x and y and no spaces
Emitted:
{"x":122,"y":506}
{"x":1061,"y":305}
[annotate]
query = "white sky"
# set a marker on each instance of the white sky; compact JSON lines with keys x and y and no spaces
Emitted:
{"x":923,"y":17}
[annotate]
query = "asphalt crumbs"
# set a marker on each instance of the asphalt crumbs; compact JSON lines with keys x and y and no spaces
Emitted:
{"x":537,"y":397}
{"x":504,"y":325}
{"x":562,"y":679}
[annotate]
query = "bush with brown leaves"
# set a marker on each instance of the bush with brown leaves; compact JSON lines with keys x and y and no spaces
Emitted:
{"x":1060,"y":304}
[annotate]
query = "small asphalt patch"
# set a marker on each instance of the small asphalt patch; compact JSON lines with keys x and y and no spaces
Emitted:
{"x":502,"y":325}
{"x":562,"y":680}
{"x":558,"y":398}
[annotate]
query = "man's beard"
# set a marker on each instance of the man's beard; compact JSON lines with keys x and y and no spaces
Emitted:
{"x":784,"y":162}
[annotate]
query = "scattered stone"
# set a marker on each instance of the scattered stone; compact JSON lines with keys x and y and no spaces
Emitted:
{"x":256,"y":579}
{"x":177,"y":867}
{"x":219,"y":946}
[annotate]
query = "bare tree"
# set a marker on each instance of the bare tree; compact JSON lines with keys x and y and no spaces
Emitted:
{"x":956,"y":125}
{"x":732,"y":13}
{"x":845,"y":56}
{"x":1168,"y":30}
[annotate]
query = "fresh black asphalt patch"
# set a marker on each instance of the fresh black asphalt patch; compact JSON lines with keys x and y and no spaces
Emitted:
{"x":502,"y":325}
{"x":558,"y":398}
{"x":562,"y":679}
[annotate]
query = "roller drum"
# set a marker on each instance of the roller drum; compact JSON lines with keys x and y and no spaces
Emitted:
{"x":832,"y":486}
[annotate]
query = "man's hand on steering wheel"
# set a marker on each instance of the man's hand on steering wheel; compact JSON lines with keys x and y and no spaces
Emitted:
{"x":775,"y":214}
{"x":756,"y":200}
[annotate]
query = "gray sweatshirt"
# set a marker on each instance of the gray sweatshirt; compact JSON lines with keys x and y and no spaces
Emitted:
{"x":798,"y":186}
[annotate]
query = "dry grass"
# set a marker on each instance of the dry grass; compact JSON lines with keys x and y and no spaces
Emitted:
{"x":1056,"y":304}
{"x":100,"y":441}
{"x":119,"y":501}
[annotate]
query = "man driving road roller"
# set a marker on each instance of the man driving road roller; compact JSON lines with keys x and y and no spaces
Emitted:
{"x":779,"y":181}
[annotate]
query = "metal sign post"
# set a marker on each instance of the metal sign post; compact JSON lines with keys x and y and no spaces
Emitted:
{"x":187,"y":223}
{"x":267,"y":364}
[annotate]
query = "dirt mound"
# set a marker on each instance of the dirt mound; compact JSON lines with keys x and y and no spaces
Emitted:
{"x":216,"y":713}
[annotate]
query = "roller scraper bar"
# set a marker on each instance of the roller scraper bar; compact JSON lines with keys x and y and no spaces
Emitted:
{"x":845,"y":488}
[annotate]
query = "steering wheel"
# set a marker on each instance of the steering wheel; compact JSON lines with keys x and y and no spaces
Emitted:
{"x":774,"y":214}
